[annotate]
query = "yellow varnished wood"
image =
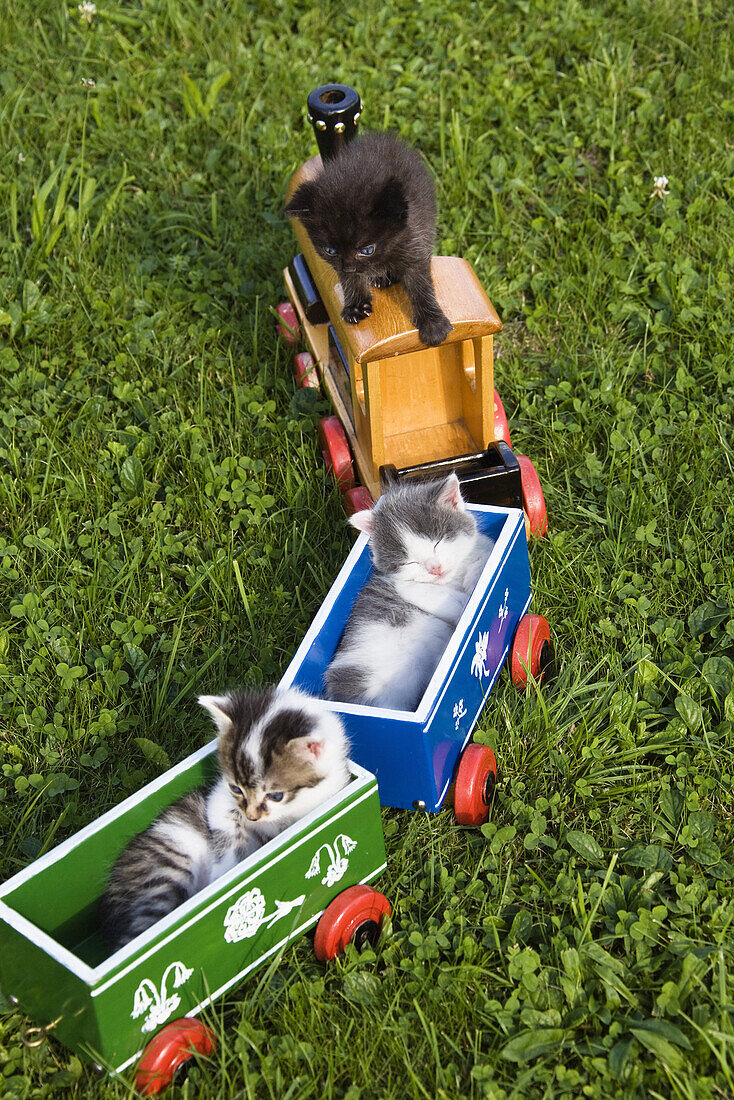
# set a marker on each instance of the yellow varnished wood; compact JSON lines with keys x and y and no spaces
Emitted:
{"x":477,"y":388}
{"x":421,"y":390}
{"x":428,"y":444}
{"x":355,"y":419}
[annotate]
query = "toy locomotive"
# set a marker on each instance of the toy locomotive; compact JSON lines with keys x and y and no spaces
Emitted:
{"x":402,"y":409}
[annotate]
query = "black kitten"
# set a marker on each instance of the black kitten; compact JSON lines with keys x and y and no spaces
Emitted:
{"x":371,"y":214}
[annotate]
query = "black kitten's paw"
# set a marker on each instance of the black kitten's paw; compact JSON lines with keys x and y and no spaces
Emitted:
{"x":434,"y":330}
{"x":357,"y":311}
{"x":382,"y":282}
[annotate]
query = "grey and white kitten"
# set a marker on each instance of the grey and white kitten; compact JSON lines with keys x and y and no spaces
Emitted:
{"x":427,"y":554}
{"x":281,"y":753}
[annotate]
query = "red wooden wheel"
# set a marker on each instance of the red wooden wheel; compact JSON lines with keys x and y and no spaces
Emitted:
{"x":352,"y":917}
{"x":531,"y":650}
{"x":357,"y":500}
{"x":304,"y":370}
{"x":335,"y":449}
{"x":501,"y":427}
{"x":172,"y":1046}
{"x":533,"y":499}
{"x":289,"y":328}
{"x":475,"y":782}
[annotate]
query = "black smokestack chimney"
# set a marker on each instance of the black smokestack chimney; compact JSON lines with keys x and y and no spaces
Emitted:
{"x":333,"y":111}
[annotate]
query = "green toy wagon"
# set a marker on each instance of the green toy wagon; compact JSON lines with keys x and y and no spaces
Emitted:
{"x":109,"y":1007}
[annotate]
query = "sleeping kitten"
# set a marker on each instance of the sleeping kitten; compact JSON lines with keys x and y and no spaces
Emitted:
{"x":371,"y":214}
{"x":427,"y":555}
{"x":281,"y":753}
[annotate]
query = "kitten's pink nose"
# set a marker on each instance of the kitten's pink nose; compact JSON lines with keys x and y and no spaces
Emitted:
{"x":435,"y":569}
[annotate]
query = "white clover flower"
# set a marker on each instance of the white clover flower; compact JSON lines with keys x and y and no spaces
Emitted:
{"x":88,"y":83}
{"x":87,"y":10}
{"x":21,"y":158}
{"x":659,"y":185}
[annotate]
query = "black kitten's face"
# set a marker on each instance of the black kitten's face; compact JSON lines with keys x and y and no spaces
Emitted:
{"x":360,"y":233}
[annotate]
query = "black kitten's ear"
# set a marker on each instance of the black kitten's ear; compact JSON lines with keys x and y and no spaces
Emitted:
{"x":391,"y":202}
{"x":303,"y":201}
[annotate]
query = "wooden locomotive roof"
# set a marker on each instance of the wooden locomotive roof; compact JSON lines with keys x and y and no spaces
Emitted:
{"x":389,"y":330}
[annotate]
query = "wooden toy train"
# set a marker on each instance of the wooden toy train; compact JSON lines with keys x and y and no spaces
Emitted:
{"x":405,"y":411}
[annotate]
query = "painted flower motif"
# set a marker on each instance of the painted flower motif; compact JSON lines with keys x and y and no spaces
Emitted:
{"x":87,"y":10}
{"x":478,"y":665}
{"x":338,"y":863}
{"x":244,"y":918}
{"x":335,"y":871}
{"x":158,"y":1005}
{"x":459,"y":712}
{"x":659,"y":187}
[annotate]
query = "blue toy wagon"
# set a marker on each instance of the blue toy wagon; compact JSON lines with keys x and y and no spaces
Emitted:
{"x":416,"y":755}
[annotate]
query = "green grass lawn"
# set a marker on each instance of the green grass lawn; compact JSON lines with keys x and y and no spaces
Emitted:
{"x":167,"y":527}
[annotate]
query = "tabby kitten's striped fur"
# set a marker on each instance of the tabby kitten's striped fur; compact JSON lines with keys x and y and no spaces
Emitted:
{"x":281,"y":753}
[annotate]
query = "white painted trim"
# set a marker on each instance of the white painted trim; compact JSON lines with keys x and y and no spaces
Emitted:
{"x":215,"y":891}
{"x":251,"y":966}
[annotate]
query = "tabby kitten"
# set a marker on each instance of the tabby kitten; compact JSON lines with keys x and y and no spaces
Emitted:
{"x":281,"y":753}
{"x":427,"y":554}
{"x":371,"y":214}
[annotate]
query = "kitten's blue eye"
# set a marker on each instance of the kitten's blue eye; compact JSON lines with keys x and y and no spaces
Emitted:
{"x":329,"y":250}
{"x":235,"y":789}
{"x":368,"y":250}
{"x":276,"y":796}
